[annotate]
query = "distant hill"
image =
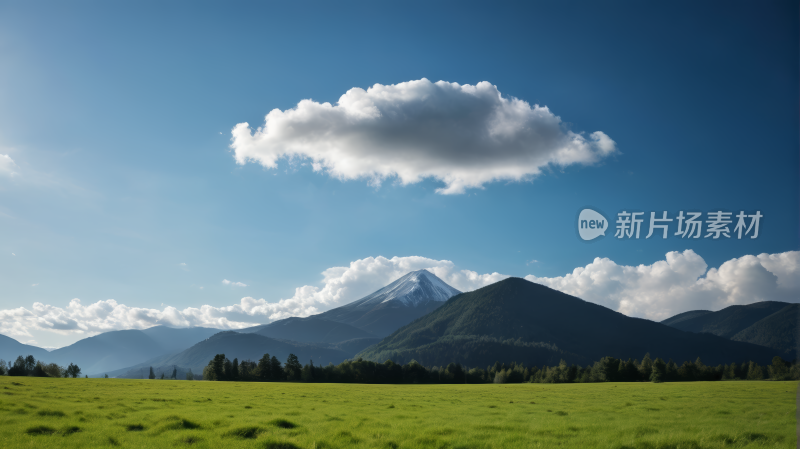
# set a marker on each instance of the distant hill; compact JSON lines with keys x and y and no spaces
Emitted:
{"x":768,"y":323}
{"x":177,"y":339}
{"x":311,"y":330}
{"x":517,"y":320}
{"x":399,"y":303}
{"x":113,"y":350}
{"x":10,"y":349}
{"x":242,"y":346}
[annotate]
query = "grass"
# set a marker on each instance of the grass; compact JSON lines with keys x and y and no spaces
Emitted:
{"x":72,"y":413}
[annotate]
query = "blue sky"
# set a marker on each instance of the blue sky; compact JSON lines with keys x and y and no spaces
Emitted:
{"x":118,"y":118}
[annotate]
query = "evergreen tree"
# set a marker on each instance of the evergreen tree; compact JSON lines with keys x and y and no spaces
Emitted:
{"x":779,"y":370}
{"x":659,"y":371}
{"x":292,"y":368}
{"x":672,"y":372}
{"x":275,"y":369}
{"x":308,"y":372}
{"x":235,"y":369}
{"x":754,"y":372}
{"x":646,"y":367}
{"x":174,"y":372}
{"x":227,"y":370}
{"x":264,"y":368}
{"x":189,"y":375}
{"x":152,"y":373}
{"x":218,"y":366}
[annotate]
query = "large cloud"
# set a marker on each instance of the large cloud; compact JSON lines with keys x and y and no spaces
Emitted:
{"x":681,"y":283}
{"x":340,"y":285}
{"x":462,"y":135}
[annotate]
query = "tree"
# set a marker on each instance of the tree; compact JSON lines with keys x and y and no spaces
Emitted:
{"x":646,"y":367}
{"x":30,"y":363}
{"x":106,"y":376}
{"x":73,"y":370}
{"x":308,"y":372}
{"x":755,"y":372}
{"x":228,"y":370}
{"x":189,"y":375}
{"x":292,"y":368}
{"x":18,"y":369}
{"x":162,"y":376}
{"x":174,"y":372}
{"x":235,"y":369}
{"x":659,"y":371}
{"x":264,"y":368}
{"x":218,"y":365}
{"x":779,"y":370}
{"x":275,"y":369}
{"x":2,"y":367}
{"x":38,"y":370}
{"x":152,"y":373}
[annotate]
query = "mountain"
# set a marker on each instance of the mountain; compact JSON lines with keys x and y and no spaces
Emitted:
{"x":113,"y":350}
{"x":172,"y":339}
{"x":238,"y":345}
{"x":10,"y":349}
{"x":777,"y":331}
{"x":517,"y":320}
{"x":685,"y":316}
{"x":310,"y":330}
{"x":767,"y":323}
{"x":399,"y":303}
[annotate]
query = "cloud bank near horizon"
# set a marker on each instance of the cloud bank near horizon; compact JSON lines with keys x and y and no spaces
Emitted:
{"x":677,"y":284}
{"x":462,"y":135}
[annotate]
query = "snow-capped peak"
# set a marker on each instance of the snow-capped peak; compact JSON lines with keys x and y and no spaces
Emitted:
{"x":416,"y":287}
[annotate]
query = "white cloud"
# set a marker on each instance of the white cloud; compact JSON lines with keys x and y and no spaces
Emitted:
{"x":235,"y":284}
{"x":7,"y":165}
{"x":182,"y":264}
{"x":682,"y":282}
{"x":462,"y":135}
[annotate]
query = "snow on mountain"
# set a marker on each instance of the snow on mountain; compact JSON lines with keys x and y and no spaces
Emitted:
{"x":411,"y":290}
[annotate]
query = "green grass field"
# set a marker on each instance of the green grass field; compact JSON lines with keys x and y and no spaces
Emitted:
{"x":44,"y":412}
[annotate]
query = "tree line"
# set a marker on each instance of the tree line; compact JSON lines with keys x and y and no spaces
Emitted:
{"x":29,"y":366}
{"x":608,"y":369}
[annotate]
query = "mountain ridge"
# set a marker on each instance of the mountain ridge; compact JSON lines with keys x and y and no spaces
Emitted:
{"x":516,"y":310}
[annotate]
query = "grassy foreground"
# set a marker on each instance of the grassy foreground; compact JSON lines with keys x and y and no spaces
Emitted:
{"x":46,"y":412}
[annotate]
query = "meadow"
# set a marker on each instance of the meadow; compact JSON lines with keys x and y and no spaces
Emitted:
{"x":66,"y":413}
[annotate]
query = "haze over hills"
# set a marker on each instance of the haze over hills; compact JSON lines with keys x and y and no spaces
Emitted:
{"x":767,"y":323}
{"x":113,"y":350}
{"x":10,"y":349}
{"x":310,"y":330}
{"x":238,"y":345}
{"x":517,"y":320}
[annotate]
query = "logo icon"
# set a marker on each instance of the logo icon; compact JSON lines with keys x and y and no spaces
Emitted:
{"x":591,"y":224}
